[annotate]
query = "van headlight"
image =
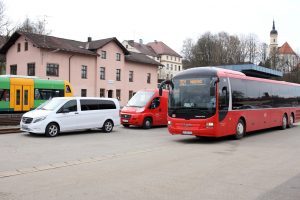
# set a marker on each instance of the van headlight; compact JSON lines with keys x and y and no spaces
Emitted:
{"x":39,"y":119}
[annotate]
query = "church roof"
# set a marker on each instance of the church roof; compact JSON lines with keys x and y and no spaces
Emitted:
{"x":286,"y":49}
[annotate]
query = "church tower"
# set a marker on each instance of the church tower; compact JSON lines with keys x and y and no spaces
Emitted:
{"x":273,"y":39}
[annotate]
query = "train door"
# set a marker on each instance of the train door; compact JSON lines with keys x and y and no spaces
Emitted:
{"x":21,"y":94}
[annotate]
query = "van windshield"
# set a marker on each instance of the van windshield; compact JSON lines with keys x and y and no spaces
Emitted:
{"x":140,"y":99}
{"x":51,"y":104}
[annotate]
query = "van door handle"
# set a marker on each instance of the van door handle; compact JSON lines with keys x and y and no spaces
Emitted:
{"x":76,"y":113}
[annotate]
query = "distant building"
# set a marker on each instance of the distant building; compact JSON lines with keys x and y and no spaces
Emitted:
{"x":170,"y":60}
{"x":281,"y":58}
{"x":102,"y":68}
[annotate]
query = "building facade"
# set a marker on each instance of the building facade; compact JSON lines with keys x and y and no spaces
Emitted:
{"x":171,"y":62}
{"x":282,"y":58}
{"x":94,"y":68}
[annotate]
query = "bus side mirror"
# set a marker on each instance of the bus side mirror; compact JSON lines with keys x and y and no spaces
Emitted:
{"x":160,"y":91}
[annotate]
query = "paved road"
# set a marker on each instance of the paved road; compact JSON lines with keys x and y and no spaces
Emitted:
{"x":150,"y":164}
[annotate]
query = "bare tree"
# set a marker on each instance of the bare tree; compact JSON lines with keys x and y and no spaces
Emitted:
{"x":38,"y":26}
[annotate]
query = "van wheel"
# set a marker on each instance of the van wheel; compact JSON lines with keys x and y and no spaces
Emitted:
{"x":147,"y":123}
{"x":52,"y":130}
{"x":284,"y":122}
{"x":291,"y":121}
{"x":108,"y":126}
{"x":240,"y":130}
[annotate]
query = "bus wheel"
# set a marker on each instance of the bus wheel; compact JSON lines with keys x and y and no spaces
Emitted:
{"x":284,"y":122}
{"x":52,"y":130}
{"x":240,"y":130}
{"x":291,"y":121}
{"x":108,"y":126}
{"x":147,"y":123}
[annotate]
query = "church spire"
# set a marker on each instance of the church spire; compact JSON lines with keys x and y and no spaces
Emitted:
{"x":273,"y":31}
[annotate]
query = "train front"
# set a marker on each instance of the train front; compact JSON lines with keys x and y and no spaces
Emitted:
{"x":192,"y":103}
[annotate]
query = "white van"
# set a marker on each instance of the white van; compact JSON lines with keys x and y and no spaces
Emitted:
{"x":62,"y":114}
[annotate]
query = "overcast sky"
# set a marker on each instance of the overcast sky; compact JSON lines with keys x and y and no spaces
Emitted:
{"x":169,"y":21}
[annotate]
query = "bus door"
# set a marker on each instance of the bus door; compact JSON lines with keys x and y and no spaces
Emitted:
{"x":223,"y":106}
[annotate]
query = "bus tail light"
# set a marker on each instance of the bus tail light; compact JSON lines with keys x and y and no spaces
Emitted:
{"x":209,"y":125}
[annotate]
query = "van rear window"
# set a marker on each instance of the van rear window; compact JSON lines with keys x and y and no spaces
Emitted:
{"x":95,"y":104}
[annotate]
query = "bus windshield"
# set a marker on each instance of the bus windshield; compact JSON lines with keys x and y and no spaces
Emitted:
{"x":193,"y":98}
{"x":140,"y":99}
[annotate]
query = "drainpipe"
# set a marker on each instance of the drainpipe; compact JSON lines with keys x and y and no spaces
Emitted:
{"x":70,"y":68}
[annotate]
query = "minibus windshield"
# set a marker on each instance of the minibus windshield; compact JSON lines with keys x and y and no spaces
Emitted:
{"x":140,"y":99}
{"x":51,"y":104}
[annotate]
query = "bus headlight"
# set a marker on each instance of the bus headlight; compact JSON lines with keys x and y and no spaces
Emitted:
{"x":169,"y":123}
{"x":209,"y":125}
{"x":39,"y":119}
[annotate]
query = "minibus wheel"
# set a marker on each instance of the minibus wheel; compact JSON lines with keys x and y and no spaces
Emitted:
{"x":52,"y":130}
{"x":147,"y":123}
{"x":240,"y":129}
{"x":284,"y":122}
{"x":291,"y":121}
{"x":108,"y":126}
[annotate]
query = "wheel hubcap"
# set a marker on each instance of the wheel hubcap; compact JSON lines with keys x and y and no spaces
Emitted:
{"x":284,"y":121}
{"x":148,"y":123}
{"x":53,"y":130}
{"x":240,"y":129}
{"x":108,"y":126}
{"x":291,"y":120}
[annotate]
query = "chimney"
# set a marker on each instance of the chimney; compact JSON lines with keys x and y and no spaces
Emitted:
{"x":89,"y":39}
{"x":141,"y":41}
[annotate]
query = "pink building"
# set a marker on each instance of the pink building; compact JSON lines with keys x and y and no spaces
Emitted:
{"x":94,"y":68}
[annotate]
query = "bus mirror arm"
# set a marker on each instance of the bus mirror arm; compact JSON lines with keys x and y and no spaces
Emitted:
{"x":166,"y":82}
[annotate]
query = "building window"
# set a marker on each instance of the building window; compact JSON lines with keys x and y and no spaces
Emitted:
{"x":167,"y":57}
{"x":178,"y":67}
{"x":167,"y":76}
{"x":118,"y":75}
{"x":118,"y":57}
{"x":13,"y":69}
{"x":130,"y":94}
{"x":103,"y":54}
{"x":83,"y":92}
{"x":19,"y":47}
{"x":102,"y":92}
{"x":31,"y":69}
{"x":148,"y":78}
{"x":167,"y":66}
{"x":172,"y":67}
{"x":118,"y":94}
{"x":130,"y":76}
{"x":26,"y":46}
{"x":102,"y":73}
{"x":84,"y":71}
{"x":52,"y":69}
{"x":175,"y":67}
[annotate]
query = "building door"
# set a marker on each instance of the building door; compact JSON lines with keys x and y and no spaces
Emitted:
{"x":110,"y":93}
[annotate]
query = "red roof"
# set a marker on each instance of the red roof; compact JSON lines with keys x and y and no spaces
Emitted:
{"x":286,"y":49}
{"x":161,"y":48}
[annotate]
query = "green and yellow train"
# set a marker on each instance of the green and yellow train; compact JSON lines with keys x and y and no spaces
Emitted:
{"x":22,"y":93}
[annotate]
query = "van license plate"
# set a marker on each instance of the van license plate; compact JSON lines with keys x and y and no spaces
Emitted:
{"x":125,"y":120}
{"x":24,"y":127}
{"x":187,"y":132}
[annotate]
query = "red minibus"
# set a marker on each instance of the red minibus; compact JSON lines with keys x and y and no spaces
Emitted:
{"x":215,"y":102}
{"x":146,"y":108}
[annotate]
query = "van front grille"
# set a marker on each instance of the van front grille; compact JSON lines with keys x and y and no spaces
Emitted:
{"x":27,"y":120}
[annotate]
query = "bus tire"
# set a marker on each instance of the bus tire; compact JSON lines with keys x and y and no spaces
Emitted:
{"x":284,"y":122}
{"x":107,"y":126}
{"x":147,"y":123}
{"x":240,"y":129}
{"x":291,"y":121}
{"x":52,"y":130}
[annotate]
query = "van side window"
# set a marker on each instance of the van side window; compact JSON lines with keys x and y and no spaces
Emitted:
{"x":70,"y":106}
{"x":95,"y":104}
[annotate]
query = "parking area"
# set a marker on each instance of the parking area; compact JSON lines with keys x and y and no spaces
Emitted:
{"x":133,"y":163}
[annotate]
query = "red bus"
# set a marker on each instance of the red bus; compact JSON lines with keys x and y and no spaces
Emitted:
{"x":215,"y":102}
{"x":146,"y":109}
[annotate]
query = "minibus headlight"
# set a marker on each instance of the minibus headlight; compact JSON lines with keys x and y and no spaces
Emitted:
{"x":39,"y":119}
{"x":209,"y":125}
{"x":169,"y":123}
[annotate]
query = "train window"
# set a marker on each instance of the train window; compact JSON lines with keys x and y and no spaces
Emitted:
{"x":18,"y":95}
{"x":25,"y":97}
{"x":68,"y":89}
{"x":4,"y":95}
{"x":45,"y":94}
